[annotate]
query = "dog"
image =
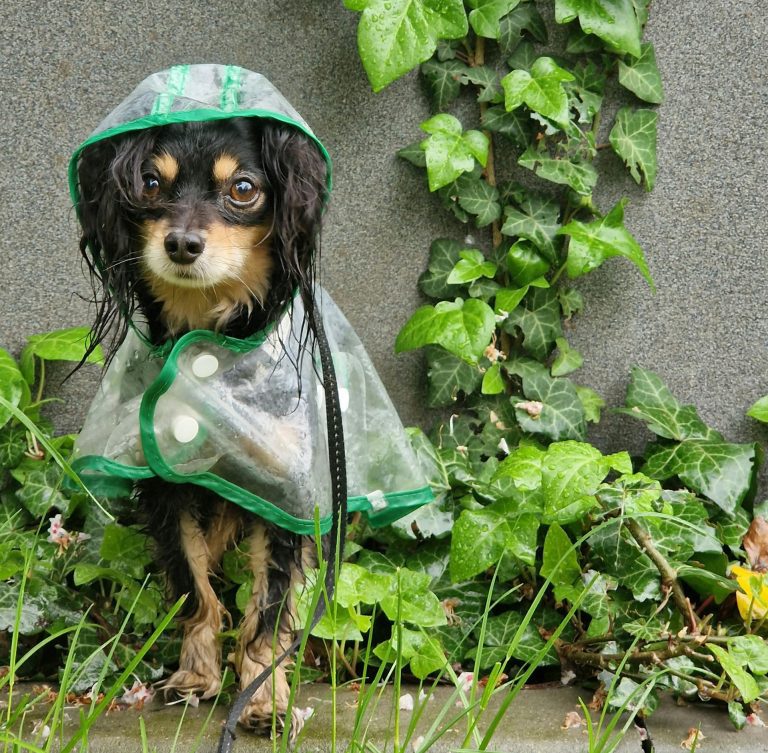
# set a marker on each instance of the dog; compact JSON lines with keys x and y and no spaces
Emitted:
{"x":209,"y":225}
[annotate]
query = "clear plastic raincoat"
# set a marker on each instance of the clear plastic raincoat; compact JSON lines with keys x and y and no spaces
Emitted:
{"x":236,"y":415}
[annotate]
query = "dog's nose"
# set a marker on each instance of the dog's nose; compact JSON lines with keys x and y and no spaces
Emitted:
{"x":184,"y":248}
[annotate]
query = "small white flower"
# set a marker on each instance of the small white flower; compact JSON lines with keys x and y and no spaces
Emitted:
{"x":406,"y":702}
{"x":501,"y":316}
{"x":755,"y":720}
{"x":305,"y":714}
{"x":469,"y":240}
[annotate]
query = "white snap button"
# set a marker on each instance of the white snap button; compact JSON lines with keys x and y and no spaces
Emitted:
{"x":185,"y":429}
{"x":377,"y":500}
{"x":205,"y":365}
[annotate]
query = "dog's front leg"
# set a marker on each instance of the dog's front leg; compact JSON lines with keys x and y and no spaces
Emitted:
{"x":269,"y":625}
{"x":199,"y":670}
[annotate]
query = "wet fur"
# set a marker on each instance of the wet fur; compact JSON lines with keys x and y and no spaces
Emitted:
{"x":192,"y":526}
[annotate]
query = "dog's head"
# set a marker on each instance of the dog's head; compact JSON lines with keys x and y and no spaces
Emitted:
{"x":202,"y":224}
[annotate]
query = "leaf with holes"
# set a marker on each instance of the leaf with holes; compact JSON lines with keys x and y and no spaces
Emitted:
{"x":633,"y":138}
{"x":541,"y":90}
{"x":485,"y":16}
{"x":594,"y":242}
{"x":448,"y":377}
{"x":515,"y":125}
{"x":536,"y":221}
{"x":721,"y":471}
{"x":616,"y":22}
{"x":562,"y":414}
{"x":450,"y":151}
{"x":394,"y":36}
{"x":444,"y":81}
{"x":580,"y":176}
{"x":481,"y":199}
{"x":463,"y":328}
{"x":523,"y":18}
{"x":641,"y":76}
{"x":650,"y":400}
{"x":443,"y":255}
{"x":538,"y":318}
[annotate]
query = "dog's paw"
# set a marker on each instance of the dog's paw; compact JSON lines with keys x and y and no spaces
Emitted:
{"x":258,"y":718}
{"x":183,"y":683}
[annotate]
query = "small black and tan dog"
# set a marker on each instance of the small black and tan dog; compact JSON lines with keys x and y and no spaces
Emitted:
{"x":208,"y":225}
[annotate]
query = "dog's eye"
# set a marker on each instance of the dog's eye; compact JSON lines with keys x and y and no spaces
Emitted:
{"x":150,"y":186}
{"x":242,"y":191}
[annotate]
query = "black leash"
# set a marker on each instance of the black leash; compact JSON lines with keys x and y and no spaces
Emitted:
{"x":338,"y":467}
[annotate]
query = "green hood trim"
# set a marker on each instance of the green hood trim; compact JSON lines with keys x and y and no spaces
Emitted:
{"x":196,"y":93}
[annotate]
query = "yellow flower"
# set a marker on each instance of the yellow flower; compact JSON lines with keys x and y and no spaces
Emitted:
{"x":752,"y":600}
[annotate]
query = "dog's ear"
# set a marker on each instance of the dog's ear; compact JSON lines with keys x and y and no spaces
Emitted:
{"x":296,"y":172}
{"x":109,"y":178}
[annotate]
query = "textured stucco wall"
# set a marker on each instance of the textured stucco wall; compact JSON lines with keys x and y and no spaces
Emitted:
{"x":65,"y":63}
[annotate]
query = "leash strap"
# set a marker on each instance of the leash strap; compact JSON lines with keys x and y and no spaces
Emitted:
{"x":338,"y":468}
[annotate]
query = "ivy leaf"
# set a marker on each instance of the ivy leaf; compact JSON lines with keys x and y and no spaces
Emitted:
{"x":463,"y":328}
{"x":721,"y":471}
{"x":560,"y":562}
{"x":641,"y":76}
{"x":443,"y":256}
{"x":571,"y":301}
{"x":538,"y":318}
{"x":471,"y":265}
{"x":561,"y":416}
{"x":450,"y":151}
{"x":126,"y":548}
{"x":13,"y":444}
{"x":536,"y":220}
{"x":523,"y":57}
{"x":524,"y":18}
{"x":62,"y":345}
{"x":614,"y":21}
{"x":514,"y":125}
{"x":525,"y":263}
{"x":481,"y":199}
{"x":743,"y":681}
{"x":447,"y":376}
{"x":11,"y":384}
{"x":500,"y":632}
{"x":394,"y":36}
{"x":760,"y":410}
{"x":594,"y":242}
{"x":580,"y":176}
{"x":444,"y":81}
{"x":488,"y":80}
{"x":486,"y":15}
{"x":633,"y":138}
{"x":541,"y":90}
{"x":414,"y":154}
{"x":568,"y":359}
{"x":493,"y":383}
{"x":508,"y":299}
{"x":41,"y":492}
{"x":751,"y":651}
{"x":650,"y":400}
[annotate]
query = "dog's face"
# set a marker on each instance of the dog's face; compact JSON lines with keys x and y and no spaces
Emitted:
{"x":202,"y":225}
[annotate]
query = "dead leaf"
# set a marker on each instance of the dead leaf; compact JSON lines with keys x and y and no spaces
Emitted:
{"x":694,"y":738}
{"x":755,"y":543}
{"x":598,"y":699}
{"x":572,"y":719}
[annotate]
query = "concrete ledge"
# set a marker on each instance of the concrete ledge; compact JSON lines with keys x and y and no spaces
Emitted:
{"x":532,"y":725}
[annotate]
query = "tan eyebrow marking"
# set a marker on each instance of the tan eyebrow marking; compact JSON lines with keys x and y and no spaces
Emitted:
{"x":167,"y":166}
{"x":224,"y":167}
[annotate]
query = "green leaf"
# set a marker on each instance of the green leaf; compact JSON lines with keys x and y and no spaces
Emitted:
{"x":641,"y":76}
{"x":561,"y":416}
{"x":463,"y":328}
{"x":737,"y":714}
{"x":523,"y":467}
{"x":706,"y":583}
{"x":538,"y":317}
{"x":449,"y":151}
{"x":560,"y":562}
{"x":444,"y":81}
{"x":614,"y":21}
{"x":471,"y":265}
{"x":486,"y":78}
{"x":126,"y":548}
{"x":443,"y":255}
{"x":536,"y":220}
{"x":11,"y":381}
{"x":394,"y":36}
{"x":524,"y":18}
{"x":410,"y":600}
{"x":487,"y":14}
{"x":568,"y":359}
{"x":493,"y":383}
{"x":591,"y":402}
{"x":423,"y":651}
{"x":580,"y":176}
{"x":508,"y":299}
{"x":624,"y":562}
{"x":481,"y":199}
{"x":64,"y":345}
{"x":525,"y":263}
{"x":650,"y":400}
{"x":13,"y":445}
{"x":541,"y":90}
{"x":515,"y":125}
{"x":633,"y":138}
{"x":743,"y":681}
{"x":40,"y":491}
{"x":448,"y":376}
{"x":592,"y":243}
{"x":751,"y":651}
{"x":414,"y":154}
{"x":760,"y":410}
{"x":500,"y":632}
{"x":720,"y":471}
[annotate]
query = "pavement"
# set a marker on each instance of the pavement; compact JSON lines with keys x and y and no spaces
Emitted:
{"x":534,"y":723}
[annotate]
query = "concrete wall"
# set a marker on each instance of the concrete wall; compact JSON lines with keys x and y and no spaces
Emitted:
{"x":66,"y":63}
